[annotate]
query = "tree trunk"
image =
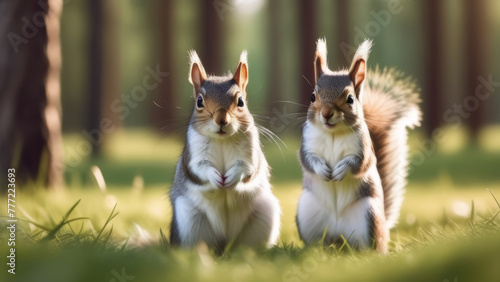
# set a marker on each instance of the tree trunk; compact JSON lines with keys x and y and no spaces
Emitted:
{"x":104,"y":71}
{"x":111,"y":84}
{"x":30,"y":111}
{"x":162,"y":111}
{"x":307,"y":43}
{"x":475,"y":63}
{"x":343,"y":28}
{"x":275,"y":69}
{"x":434,"y":83}
{"x":211,"y":29}
{"x":95,"y":74}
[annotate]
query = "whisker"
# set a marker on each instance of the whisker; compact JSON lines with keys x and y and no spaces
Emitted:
{"x":291,"y":102}
{"x":259,"y":116}
{"x":160,"y":106}
{"x":244,"y":133}
{"x":271,"y":140}
{"x":307,"y":80}
{"x":275,"y":136}
{"x":302,"y":121}
{"x":271,"y":136}
{"x":262,"y":119}
{"x":295,"y":115}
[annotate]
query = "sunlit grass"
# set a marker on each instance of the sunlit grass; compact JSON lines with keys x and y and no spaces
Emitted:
{"x":438,"y":233}
{"x":448,"y":227}
{"x":151,"y":209}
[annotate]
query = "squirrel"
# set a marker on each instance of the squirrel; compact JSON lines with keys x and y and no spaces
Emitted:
{"x":221,"y":192}
{"x":353,"y":152}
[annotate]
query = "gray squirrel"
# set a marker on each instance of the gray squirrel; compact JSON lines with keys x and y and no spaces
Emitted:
{"x":221,"y":191}
{"x":354,"y":153}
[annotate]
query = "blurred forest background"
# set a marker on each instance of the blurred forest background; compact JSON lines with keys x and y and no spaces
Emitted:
{"x":124,"y":65}
{"x":94,"y":98}
{"x":443,"y":44}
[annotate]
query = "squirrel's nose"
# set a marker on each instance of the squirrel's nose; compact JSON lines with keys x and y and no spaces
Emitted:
{"x":327,"y":115}
{"x":221,"y":117}
{"x":222,"y":122}
{"x":327,"y":111}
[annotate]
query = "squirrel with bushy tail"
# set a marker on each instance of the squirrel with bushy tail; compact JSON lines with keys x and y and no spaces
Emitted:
{"x":354,"y":152}
{"x":221,"y":193}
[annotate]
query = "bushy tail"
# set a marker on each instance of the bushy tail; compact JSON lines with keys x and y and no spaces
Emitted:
{"x":390,"y":105}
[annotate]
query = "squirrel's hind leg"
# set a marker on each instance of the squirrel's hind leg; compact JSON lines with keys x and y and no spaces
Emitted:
{"x":190,"y":226}
{"x":367,"y":224}
{"x":263,"y":225}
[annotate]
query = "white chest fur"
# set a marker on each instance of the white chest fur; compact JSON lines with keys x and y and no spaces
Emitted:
{"x":330,"y":204}
{"x":333,"y":148}
{"x":227,"y":211}
{"x":222,"y":153}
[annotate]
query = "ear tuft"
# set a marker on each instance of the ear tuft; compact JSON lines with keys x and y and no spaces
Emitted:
{"x":357,"y":71}
{"x":321,"y":50}
{"x":320,"y":64}
{"x":241,"y":73}
{"x":363,"y":51}
{"x":194,"y":60}
{"x":197,"y":74}
{"x":243,"y":57}
{"x":193,"y":57}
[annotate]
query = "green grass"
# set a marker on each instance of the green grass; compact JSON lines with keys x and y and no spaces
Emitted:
{"x":449,"y":227}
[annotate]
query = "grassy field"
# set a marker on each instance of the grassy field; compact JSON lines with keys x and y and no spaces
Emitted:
{"x":448,"y":231}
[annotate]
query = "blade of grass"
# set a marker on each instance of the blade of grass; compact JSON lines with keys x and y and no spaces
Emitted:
{"x":106,"y":239}
{"x":53,"y":232}
{"x":164,"y":239}
{"x":229,"y":246}
{"x":472,"y":227}
{"x":346,"y":244}
{"x":92,"y":229}
{"x":493,"y":217}
{"x":324,"y":236}
{"x":472,"y":211}
{"x":110,"y":217}
{"x":498,"y":204}
{"x":36,"y":224}
{"x":124,"y":245}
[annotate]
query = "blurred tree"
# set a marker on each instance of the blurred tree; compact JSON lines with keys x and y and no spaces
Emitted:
{"x":212,"y":46}
{"x":111,"y":64}
{"x":433,"y":95}
{"x":307,"y":43}
{"x":30,"y":111}
{"x":95,"y":72}
{"x":104,"y":71}
{"x":342,"y":16}
{"x":163,"y":108}
{"x":475,"y":63}
{"x":275,"y":37}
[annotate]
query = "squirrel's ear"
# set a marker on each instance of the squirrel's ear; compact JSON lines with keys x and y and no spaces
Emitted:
{"x":197,"y":73}
{"x":357,"y":71}
{"x":320,"y":65}
{"x":241,"y":73}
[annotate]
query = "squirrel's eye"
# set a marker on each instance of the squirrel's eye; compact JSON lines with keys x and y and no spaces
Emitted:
{"x":350,"y":99}
{"x":313,"y":97}
{"x":199,"y":102}
{"x":240,"y":102}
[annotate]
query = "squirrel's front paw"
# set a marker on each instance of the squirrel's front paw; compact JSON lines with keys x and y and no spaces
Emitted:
{"x":215,"y":178}
{"x":323,"y":170}
{"x":232,"y":177}
{"x":340,"y":170}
